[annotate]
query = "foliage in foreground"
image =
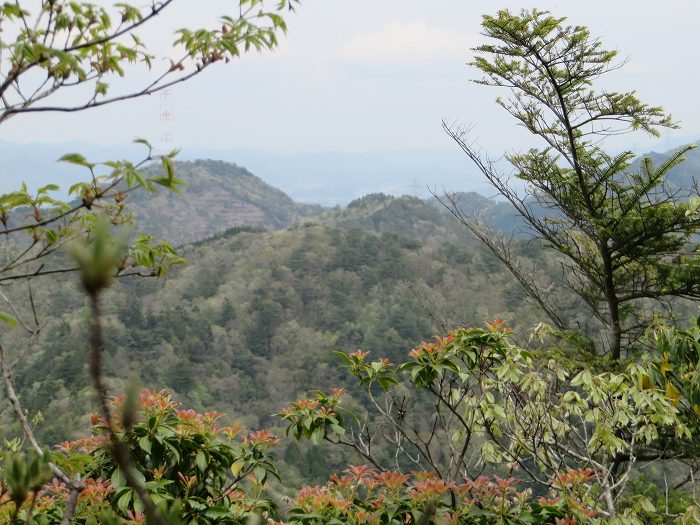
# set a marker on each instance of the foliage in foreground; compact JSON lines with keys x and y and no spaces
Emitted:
{"x":366,"y":496}
{"x":195,"y":471}
{"x":512,"y":439}
{"x":576,"y":436}
{"x":579,"y":436}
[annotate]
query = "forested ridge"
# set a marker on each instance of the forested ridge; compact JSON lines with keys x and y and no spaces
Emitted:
{"x":255,"y":311}
{"x":270,"y":292}
{"x":255,"y":316}
{"x":217,"y":196}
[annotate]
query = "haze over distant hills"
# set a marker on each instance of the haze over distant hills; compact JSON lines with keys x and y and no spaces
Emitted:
{"x":326,"y":178}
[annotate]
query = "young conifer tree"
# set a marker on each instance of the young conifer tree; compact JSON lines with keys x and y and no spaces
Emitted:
{"x":622,"y":231}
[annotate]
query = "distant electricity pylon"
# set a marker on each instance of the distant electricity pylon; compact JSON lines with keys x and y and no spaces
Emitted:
{"x":415,"y":187}
{"x":166,"y":116}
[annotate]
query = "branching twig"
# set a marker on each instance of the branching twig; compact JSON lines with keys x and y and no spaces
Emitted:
{"x":119,"y":450}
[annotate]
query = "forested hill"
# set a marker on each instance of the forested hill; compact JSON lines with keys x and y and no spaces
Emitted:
{"x":406,"y":216}
{"x":256,"y":309}
{"x":218,"y":196}
{"x":254,"y":318}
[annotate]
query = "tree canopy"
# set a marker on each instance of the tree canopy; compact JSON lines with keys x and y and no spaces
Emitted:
{"x":623,"y":233}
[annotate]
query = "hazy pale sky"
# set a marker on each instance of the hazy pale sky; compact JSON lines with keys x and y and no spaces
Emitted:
{"x":360,"y":75}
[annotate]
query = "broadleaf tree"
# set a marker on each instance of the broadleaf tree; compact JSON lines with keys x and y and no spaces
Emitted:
{"x":496,"y":407}
{"x":73,"y":56}
{"x":622,"y":231}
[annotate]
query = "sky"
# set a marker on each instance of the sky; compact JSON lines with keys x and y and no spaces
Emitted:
{"x":380,"y":76}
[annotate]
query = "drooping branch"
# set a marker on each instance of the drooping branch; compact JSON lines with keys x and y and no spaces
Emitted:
{"x":99,"y":51}
{"x":495,"y":242}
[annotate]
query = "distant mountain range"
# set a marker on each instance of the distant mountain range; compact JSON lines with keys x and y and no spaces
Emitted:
{"x":327,"y":178}
{"x":220,"y":196}
{"x":223,"y":195}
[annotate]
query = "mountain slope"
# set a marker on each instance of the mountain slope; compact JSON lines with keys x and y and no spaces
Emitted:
{"x":253,"y":320}
{"x":218,"y":196}
{"x":497,"y":214}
